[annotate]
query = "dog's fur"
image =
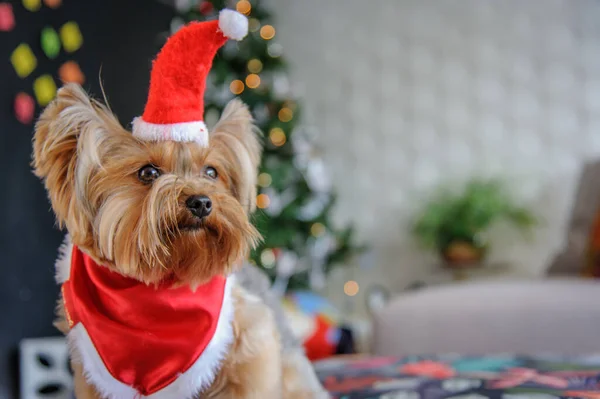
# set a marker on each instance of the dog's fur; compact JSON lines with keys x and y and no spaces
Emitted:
{"x":89,"y":164}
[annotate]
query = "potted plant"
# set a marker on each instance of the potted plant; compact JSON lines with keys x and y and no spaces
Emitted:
{"x":455,"y":225}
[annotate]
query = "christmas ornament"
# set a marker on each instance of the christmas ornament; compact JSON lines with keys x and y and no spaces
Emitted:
{"x":53,"y":3}
{"x":23,"y":60}
{"x":70,"y":72}
{"x":7,"y":18}
{"x":50,"y":42}
{"x":44,"y":89}
{"x":206,"y":8}
{"x":32,"y":5}
{"x":71,"y":37}
{"x":24,"y":108}
{"x":175,"y":107}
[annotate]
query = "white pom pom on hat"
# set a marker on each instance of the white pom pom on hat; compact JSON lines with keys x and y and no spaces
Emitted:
{"x":233,"y":24}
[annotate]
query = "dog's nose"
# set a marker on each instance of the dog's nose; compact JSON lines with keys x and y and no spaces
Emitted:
{"x":199,"y":205}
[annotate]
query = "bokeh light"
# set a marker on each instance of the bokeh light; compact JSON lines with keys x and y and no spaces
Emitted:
{"x":317,"y":229}
{"x":267,"y":32}
{"x":351,"y":288}
{"x":285,"y":114}
{"x":277,"y":137}
{"x":263,"y":201}
{"x":264,"y":180}
{"x":255,"y":65}
{"x":244,"y":7}
{"x":253,"y":81}
{"x":267,"y":258}
{"x":236,"y":87}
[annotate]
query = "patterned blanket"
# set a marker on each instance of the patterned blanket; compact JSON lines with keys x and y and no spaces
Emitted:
{"x":462,"y":377}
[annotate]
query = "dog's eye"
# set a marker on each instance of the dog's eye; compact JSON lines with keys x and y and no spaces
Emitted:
{"x":148,"y":174}
{"x":211,"y":172}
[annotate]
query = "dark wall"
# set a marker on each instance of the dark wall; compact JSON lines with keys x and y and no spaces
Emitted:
{"x":122,"y":36}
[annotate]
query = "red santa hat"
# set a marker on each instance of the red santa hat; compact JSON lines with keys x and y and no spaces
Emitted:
{"x":175,"y":107}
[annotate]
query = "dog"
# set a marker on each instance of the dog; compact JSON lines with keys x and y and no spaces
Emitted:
{"x":162,"y":219}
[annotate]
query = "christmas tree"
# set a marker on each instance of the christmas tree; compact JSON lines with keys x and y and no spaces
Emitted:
{"x":295,"y":197}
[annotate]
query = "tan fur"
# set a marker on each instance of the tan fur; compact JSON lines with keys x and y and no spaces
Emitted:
{"x":90,"y":165}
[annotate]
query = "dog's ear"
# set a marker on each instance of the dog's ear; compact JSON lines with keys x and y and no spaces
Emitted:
{"x":67,"y":137}
{"x":236,"y":136}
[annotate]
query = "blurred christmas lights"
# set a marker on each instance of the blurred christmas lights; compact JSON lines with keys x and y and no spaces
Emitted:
{"x":236,"y":87}
{"x":253,"y":25}
{"x":317,"y":229}
{"x":267,"y":32}
{"x":285,"y":114}
{"x":253,"y":81}
{"x":351,"y":288}
{"x":255,"y":66}
{"x":277,"y":137}
{"x":244,"y":7}
{"x":263,"y":201}
{"x":267,"y":258}
{"x":264,"y":180}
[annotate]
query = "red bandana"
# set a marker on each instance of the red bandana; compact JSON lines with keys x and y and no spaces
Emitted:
{"x":141,"y":341}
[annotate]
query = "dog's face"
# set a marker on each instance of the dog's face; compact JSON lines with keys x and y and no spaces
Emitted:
{"x":152,"y":211}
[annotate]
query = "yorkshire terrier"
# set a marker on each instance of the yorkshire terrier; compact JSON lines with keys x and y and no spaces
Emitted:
{"x":154,"y":301}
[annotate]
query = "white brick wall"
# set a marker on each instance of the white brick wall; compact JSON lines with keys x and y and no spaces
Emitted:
{"x":411,"y":93}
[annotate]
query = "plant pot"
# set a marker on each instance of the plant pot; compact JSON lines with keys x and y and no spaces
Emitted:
{"x":461,"y":254}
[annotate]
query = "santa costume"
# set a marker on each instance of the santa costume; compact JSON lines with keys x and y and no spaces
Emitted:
{"x":133,"y":340}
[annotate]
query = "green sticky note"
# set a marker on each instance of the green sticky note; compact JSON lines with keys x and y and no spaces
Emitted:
{"x":50,"y":42}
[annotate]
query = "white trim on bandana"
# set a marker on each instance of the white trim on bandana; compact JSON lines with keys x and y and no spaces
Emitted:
{"x":187,"y":385}
{"x":183,"y":132}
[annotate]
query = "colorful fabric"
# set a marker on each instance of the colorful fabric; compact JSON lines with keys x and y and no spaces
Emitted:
{"x":461,"y":377}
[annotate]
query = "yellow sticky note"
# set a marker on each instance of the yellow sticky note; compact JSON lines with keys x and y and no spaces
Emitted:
{"x":44,"y":89}
{"x":32,"y":5}
{"x":23,"y":60}
{"x":71,"y":37}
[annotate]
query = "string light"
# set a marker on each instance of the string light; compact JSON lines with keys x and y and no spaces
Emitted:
{"x":267,"y":258}
{"x":351,"y":288}
{"x":277,"y":136}
{"x":264,"y":180}
{"x":263,"y":201}
{"x":253,"y":81}
{"x":275,"y":50}
{"x":236,"y":87}
{"x":244,"y":7}
{"x":267,"y":32}
{"x":255,"y":66}
{"x":253,"y":25}
{"x":317,"y":229}
{"x":285,"y":114}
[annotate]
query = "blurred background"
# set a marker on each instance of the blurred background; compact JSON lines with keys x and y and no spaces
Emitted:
{"x":412,"y":148}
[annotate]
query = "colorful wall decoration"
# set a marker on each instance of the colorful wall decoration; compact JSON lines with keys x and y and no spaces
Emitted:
{"x":65,"y":39}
